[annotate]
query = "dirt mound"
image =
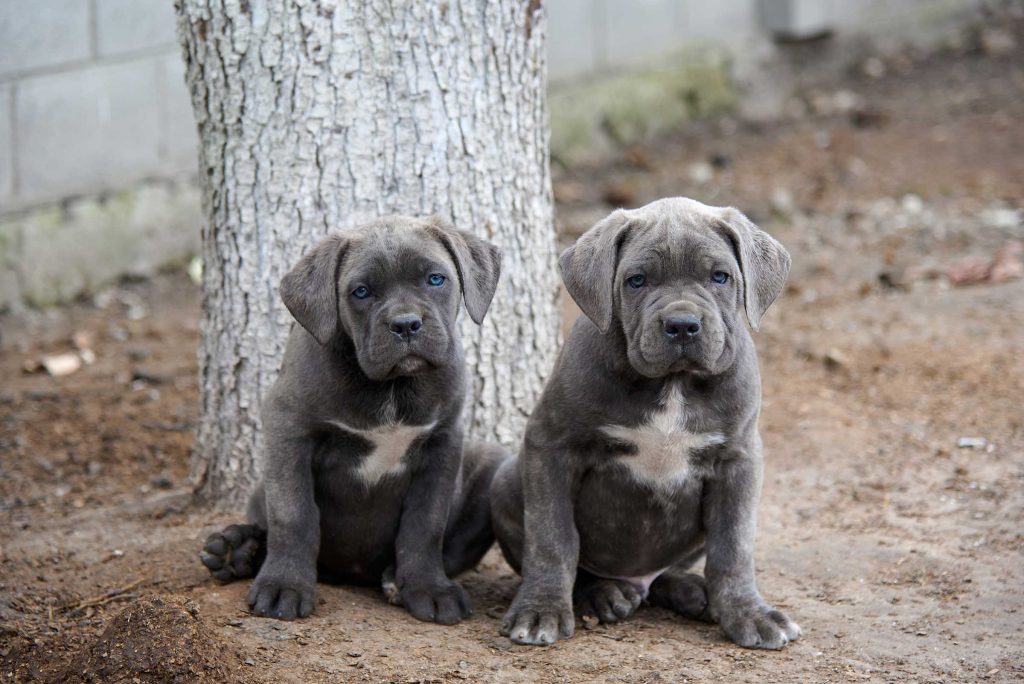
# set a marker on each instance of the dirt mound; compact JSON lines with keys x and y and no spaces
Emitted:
{"x":157,"y":639}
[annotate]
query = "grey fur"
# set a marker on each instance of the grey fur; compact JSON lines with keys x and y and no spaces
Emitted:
{"x":365,"y":476}
{"x":643,"y":453}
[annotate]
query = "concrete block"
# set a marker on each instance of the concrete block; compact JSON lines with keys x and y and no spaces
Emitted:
{"x":87,"y":243}
{"x":129,"y":25}
{"x":640,"y":30}
{"x":6,"y":145}
{"x":42,"y":33}
{"x":86,"y":131}
{"x":179,"y":140}
{"x":573,"y":30}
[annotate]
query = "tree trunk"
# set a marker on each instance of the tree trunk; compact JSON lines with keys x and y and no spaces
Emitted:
{"x":315,"y":116}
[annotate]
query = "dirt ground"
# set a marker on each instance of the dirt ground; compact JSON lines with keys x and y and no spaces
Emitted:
{"x":898,"y":551}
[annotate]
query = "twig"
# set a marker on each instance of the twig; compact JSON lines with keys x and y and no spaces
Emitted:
{"x":121,"y":593}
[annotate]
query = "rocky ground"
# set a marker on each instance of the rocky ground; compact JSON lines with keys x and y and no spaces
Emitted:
{"x":891,"y":521}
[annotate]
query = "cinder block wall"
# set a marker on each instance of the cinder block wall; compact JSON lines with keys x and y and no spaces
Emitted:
{"x":97,"y":146}
{"x":97,"y":139}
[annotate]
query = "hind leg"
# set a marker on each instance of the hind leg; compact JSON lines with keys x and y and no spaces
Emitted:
{"x":681,"y":591}
{"x":609,"y":600}
{"x":507,"y":512}
{"x":238,"y":551}
{"x":470,"y":534}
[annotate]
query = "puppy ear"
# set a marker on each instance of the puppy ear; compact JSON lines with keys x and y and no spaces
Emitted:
{"x":478,"y":263}
{"x":588,"y":268}
{"x":310,"y":289}
{"x":764,"y":263}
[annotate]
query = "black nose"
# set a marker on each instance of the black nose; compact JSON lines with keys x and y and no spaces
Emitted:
{"x":406,"y":325}
{"x":682,"y":327}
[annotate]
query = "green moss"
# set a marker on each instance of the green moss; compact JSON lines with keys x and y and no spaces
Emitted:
{"x":589,"y":120}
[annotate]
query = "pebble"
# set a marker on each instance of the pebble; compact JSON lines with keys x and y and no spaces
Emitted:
{"x":701,"y":173}
{"x":972,"y":443}
{"x":997,"y":42}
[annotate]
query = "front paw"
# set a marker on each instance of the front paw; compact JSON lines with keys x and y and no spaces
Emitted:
{"x":757,"y":625}
{"x":442,"y":601}
{"x":538,"y":620}
{"x":279,"y":596}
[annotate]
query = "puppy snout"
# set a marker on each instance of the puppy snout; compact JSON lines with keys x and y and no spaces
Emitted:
{"x":405,"y":326}
{"x":681,"y":327}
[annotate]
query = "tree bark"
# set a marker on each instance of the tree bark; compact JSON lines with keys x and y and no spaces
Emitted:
{"x":314,"y":116}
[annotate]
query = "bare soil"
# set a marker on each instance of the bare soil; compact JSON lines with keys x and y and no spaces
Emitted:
{"x":898,"y":552}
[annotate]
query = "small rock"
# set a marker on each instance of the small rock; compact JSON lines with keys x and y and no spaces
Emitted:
{"x":87,"y":355}
{"x":912,"y":204}
{"x":972,"y":443}
{"x":834,"y":360}
{"x":720,"y":160}
{"x":846,"y":101}
{"x":355,"y":654}
{"x":873,"y":67}
{"x":249,"y":661}
{"x":195,"y":270}
{"x":148,"y":377}
{"x":700,"y":173}
{"x":1002,"y":217}
{"x":997,"y":42}
{"x":59,"y":365}
{"x":782,"y":202}
{"x":161,"y":482}
{"x":589,"y":622}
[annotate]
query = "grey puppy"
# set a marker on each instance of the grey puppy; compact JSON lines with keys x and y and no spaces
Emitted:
{"x":643,"y":453}
{"x":365,"y":475}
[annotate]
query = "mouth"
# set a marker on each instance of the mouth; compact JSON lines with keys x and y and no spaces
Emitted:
{"x":409,"y":365}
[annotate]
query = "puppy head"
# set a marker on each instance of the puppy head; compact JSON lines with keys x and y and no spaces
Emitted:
{"x":393,"y":287}
{"x":674,"y":275}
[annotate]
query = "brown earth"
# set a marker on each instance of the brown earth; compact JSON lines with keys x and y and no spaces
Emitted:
{"x":898,"y":552}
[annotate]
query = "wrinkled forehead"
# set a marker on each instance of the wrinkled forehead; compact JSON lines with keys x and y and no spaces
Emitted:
{"x":392,"y":248}
{"x":679,"y":234}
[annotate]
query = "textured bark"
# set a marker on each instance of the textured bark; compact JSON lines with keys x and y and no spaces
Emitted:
{"x":314,"y":116}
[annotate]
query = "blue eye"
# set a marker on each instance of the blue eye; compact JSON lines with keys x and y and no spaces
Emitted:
{"x":636,"y":281}
{"x":720,"y":277}
{"x":361,"y":292}
{"x":436,"y":279}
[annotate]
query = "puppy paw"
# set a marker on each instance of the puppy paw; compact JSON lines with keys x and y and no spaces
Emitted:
{"x":538,"y":620}
{"x":684,"y":593}
{"x":444,"y":602}
{"x":234,"y":553}
{"x":608,"y":600}
{"x":278,"y":597}
{"x":757,"y":625}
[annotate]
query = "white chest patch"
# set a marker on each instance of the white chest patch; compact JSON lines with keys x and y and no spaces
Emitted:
{"x":390,"y":443}
{"x":664,"y":445}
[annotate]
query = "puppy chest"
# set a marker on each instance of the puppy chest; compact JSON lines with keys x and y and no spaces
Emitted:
{"x":389,"y":445}
{"x":663,"y":446}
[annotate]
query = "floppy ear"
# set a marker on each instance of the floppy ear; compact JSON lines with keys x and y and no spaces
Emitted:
{"x":764,"y":263}
{"x":310,"y":289}
{"x":588,"y":268}
{"x":478,"y":263}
